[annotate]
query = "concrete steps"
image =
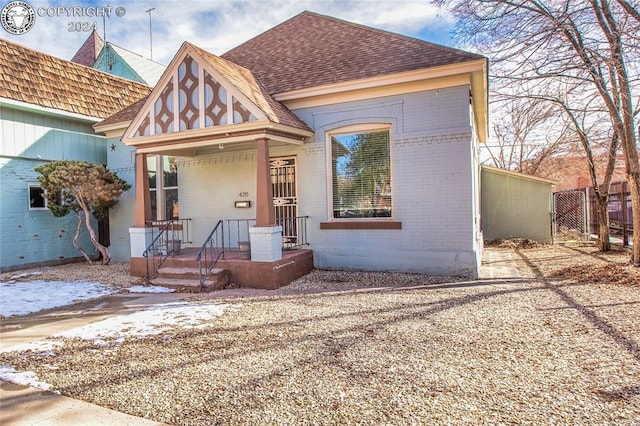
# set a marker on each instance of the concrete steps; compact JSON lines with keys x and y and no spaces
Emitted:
{"x":186,"y":279}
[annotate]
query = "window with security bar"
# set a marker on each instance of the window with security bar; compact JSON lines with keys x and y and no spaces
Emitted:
{"x":361,"y":174}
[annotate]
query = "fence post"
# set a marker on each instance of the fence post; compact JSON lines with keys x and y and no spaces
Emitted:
{"x":623,"y":204}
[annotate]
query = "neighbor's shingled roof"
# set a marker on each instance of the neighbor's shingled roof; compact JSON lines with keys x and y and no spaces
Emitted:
{"x":312,"y":50}
{"x":89,"y":51}
{"x":36,"y":78}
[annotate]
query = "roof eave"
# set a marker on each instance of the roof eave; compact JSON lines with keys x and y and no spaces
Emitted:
{"x":46,"y":110}
{"x":389,"y":79}
{"x":111,"y":127}
{"x":216,"y":135}
{"x":518,"y":175}
{"x":473,"y":73}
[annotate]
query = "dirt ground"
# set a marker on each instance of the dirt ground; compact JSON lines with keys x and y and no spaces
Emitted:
{"x":558,"y":345}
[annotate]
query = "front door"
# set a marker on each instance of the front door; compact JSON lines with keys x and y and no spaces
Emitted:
{"x":285,"y":198}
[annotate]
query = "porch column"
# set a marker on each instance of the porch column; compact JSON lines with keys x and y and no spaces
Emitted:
{"x":139,"y":236}
{"x":266,"y":236}
{"x":143,"y":200}
{"x":264,"y":190}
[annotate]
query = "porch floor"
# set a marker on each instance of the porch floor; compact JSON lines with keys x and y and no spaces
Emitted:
{"x":244,"y":272}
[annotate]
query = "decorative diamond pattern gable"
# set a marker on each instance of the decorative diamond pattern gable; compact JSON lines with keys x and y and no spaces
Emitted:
{"x":192,"y":98}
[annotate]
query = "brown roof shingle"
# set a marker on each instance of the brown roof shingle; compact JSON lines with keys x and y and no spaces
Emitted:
{"x":127,"y":114}
{"x":244,"y":80}
{"x":312,"y":50}
{"x":89,"y":51}
{"x":36,"y":78}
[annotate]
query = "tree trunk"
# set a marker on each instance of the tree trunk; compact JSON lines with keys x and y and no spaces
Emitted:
{"x":104,"y":251}
{"x":76,"y":237}
{"x":602,"y":204}
{"x":634,"y":187}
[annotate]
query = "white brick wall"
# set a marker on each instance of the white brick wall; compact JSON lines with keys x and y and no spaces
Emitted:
{"x":432,"y":179}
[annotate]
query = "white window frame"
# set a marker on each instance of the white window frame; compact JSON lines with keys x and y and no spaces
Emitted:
{"x":160,"y":188}
{"x":46,"y":202}
{"x":350,"y":129}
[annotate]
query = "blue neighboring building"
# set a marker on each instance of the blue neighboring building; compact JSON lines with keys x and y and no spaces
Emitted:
{"x":47,"y":108}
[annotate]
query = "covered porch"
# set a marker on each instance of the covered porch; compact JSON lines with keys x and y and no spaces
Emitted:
{"x":204,"y":107}
{"x":225,"y":259}
{"x":234,"y":268}
{"x":267,"y":251}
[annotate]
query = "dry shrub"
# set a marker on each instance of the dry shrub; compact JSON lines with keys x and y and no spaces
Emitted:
{"x":514,"y":243}
{"x":625,"y":275}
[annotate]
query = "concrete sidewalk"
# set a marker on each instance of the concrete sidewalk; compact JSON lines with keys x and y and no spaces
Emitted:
{"x":498,"y":265}
{"x":23,"y":405}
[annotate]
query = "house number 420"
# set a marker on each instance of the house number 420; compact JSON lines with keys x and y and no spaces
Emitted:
{"x":244,"y":194}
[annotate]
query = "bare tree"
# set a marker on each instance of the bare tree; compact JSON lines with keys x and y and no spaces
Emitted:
{"x":600,"y":188}
{"x":526,"y":133}
{"x":588,"y":123}
{"x":591,"y":44}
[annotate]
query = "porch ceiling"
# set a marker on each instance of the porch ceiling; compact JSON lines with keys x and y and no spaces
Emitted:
{"x":190,"y":143}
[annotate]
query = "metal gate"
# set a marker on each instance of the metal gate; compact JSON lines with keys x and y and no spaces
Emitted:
{"x":570,"y":217}
{"x":285,"y":198}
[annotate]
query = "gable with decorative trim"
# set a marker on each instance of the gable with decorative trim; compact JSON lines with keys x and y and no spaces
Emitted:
{"x":191,"y":95}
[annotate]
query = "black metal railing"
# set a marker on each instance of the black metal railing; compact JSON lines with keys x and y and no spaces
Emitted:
{"x":237,"y":232}
{"x":167,"y":237}
{"x":210,"y":252}
{"x":294,"y":232}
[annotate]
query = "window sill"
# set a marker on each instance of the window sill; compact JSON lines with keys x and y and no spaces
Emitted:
{"x":362,"y":224}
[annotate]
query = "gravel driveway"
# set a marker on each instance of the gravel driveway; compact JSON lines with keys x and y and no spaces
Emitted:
{"x":559,"y":346}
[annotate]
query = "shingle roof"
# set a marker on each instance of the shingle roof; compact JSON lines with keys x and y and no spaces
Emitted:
{"x":127,"y":114}
{"x":36,"y":78}
{"x":148,"y":70}
{"x":312,"y":50}
{"x":244,"y":80}
{"x":89,"y":51}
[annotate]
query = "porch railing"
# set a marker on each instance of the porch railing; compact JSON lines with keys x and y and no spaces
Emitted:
{"x":210,"y":252}
{"x":167,"y":239}
{"x":294,"y":232}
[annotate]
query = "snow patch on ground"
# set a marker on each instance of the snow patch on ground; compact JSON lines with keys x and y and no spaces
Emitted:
{"x":150,"y":289}
{"x":27,"y":378}
{"x":151,"y":321}
{"x":21,"y":298}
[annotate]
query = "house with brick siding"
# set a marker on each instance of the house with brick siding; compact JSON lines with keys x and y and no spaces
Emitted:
{"x":47,"y":109}
{"x":319,"y":142}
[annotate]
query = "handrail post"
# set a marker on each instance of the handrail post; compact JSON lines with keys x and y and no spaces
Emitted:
{"x":209,"y":264}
